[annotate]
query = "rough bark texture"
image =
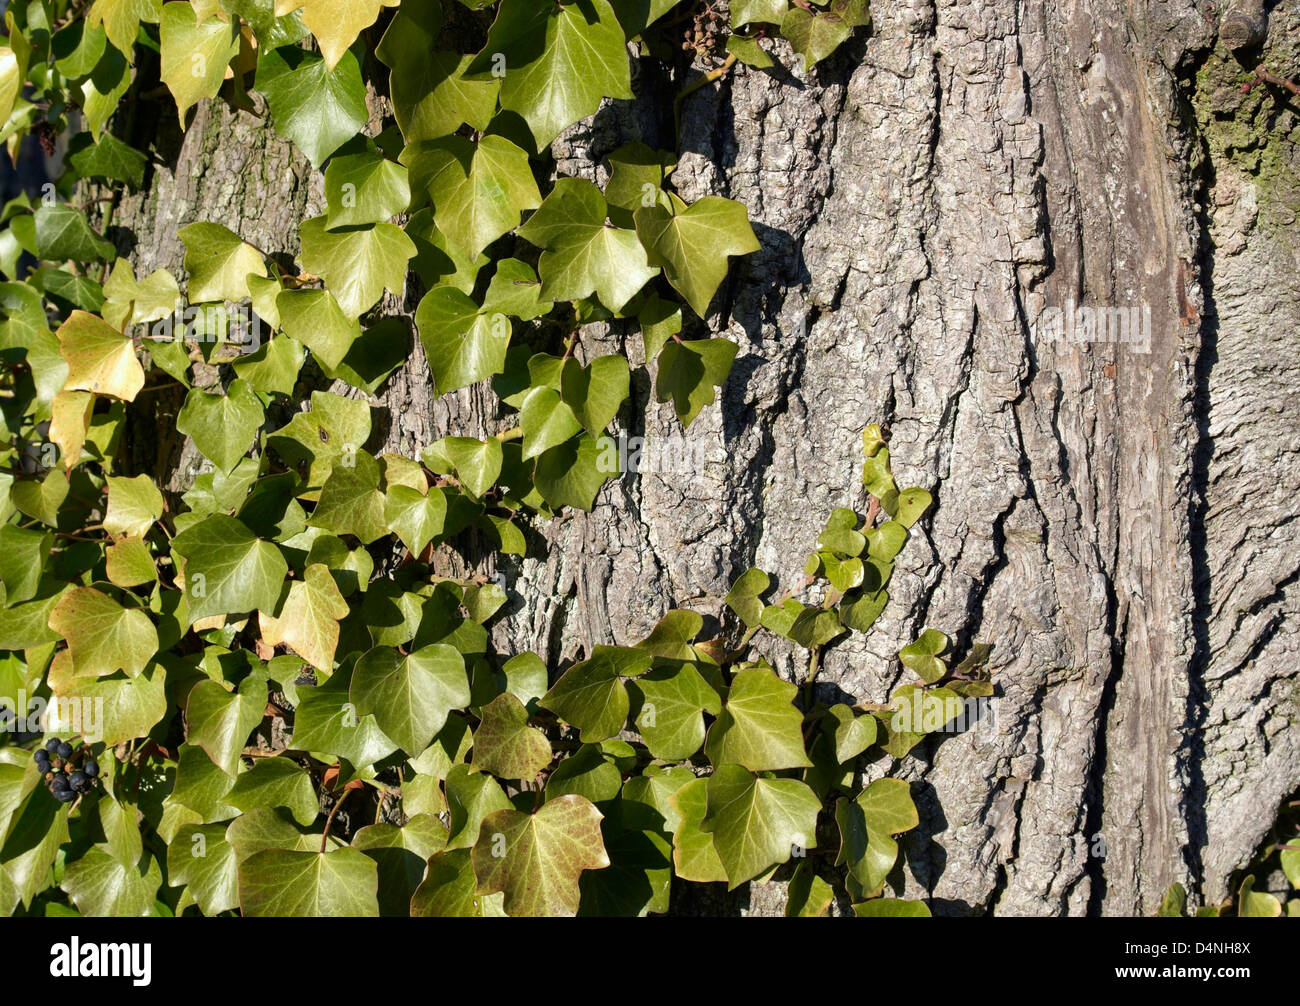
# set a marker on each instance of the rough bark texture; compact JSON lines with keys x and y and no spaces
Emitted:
{"x":1118,"y":522}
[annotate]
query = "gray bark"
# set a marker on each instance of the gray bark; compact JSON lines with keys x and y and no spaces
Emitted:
{"x":1119,"y":523}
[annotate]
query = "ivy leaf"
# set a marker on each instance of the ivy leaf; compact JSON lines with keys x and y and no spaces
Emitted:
{"x":506,"y":745}
{"x":694,"y":856}
{"x":450,"y":890}
{"x":668,"y":714}
{"x":471,"y":796}
{"x":276,"y":782}
{"x":638,"y":176}
{"x":100,"y":358}
{"x":572,"y":473}
{"x":477,"y":462}
{"x":357,"y":264}
{"x":545,"y":420}
{"x":107,"y":158}
{"x":688,"y":372}
{"x":596,"y":392}
{"x":745,"y":12}
{"x":222,"y":426}
{"x":431,"y":97}
{"x":478,"y":189}
{"x":463,"y":346}
{"x":840,"y":535}
{"x":743,"y":597}
{"x":318,"y":107}
{"x":692,"y":243}
{"x":132,"y":706}
{"x":891,"y":908}
{"x":912,"y":505}
{"x":851,"y":733}
{"x":210,"y":875}
{"x":220,"y":721}
{"x":410,"y":695}
{"x":415,"y":517}
{"x":194,"y":54}
{"x":757,"y":822}
{"x":350,"y":500}
{"x":545,"y":853}
{"x":132,"y":301}
{"x":759,"y":726}
{"x":364,"y":188}
{"x":815,"y":35}
{"x":315,"y":319}
{"x":860,"y":610}
{"x":101,"y":886}
{"x":228,"y":569}
{"x":279,"y":883}
{"x":319,"y":439}
{"x":583,"y":254}
{"x":326,"y":720}
{"x":218,"y":263}
{"x":560,"y":62}
{"x":63,"y":233}
{"x":886,"y":541}
{"x":591,"y":695}
{"x":133,"y":505}
{"x":401,"y":855}
{"x":336,"y":23}
{"x":924,"y":655}
{"x":121,"y":19}
{"x":309,"y":620}
{"x":102,"y":636}
{"x":867,"y":828}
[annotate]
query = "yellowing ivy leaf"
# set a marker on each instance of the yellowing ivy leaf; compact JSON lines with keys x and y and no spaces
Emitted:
{"x":100,"y":358}
{"x":195,"y":54}
{"x":536,"y":859}
{"x":308,"y":622}
{"x":102,"y":636}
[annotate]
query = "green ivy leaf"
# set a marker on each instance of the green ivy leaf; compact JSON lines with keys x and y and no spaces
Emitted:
{"x":279,"y":883}
{"x":477,"y":462}
{"x":199,"y":857}
{"x":276,"y":782}
{"x":315,"y":319}
{"x":228,"y":569}
{"x":350,"y":500}
{"x":924,"y":656}
{"x":694,"y":856}
{"x":583,"y":254}
{"x":410,"y":695}
{"x":471,"y":796}
{"x":595,"y":392}
{"x":401,"y":855}
{"x":450,"y":890}
{"x":478,"y":189}
{"x":220,"y":721}
{"x":326,"y":720}
{"x":415,"y":517}
{"x":222,"y":426}
{"x":591,"y":695}
{"x":668,"y":713}
{"x":218,"y":262}
{"x":101,"y":886}
{"x":133,"y":505}
{"x":891,"y":908}
{"x":744,"y":596}
{"x":121,"y":19}
{"x":692,"y":243}
{"x":317,"y":107}
{"x":759,"y":726}
{"x":559,"y":62}
{"x":572,"y":473}
{"x":867,"y":828}
{"x":108,"y":158}
{"x":364,"y":188}
{"x":102,"y":636}
{"x":462,"y":344}
{"x":756,"y":822}
{"x":431,"y":97}
{"x":544,"y":855}
{"x":688,"y":372}
{"x":358,"y":264}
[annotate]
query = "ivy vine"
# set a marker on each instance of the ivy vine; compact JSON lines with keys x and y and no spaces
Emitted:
{"x":256,"y":695}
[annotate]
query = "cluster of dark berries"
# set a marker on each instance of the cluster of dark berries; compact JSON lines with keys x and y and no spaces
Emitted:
{"x":707,"y":34}
{"x":68,"y":771}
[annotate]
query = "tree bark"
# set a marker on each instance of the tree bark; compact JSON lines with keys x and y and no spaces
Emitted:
{"x":1119,"y":523}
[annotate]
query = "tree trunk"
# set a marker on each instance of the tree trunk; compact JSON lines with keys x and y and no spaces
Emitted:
{"x":1118,"y":519}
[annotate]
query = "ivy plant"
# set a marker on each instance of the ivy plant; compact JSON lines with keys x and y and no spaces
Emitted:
{"x":253,"y":694}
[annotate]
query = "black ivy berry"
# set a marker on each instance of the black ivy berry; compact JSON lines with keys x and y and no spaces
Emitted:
{"x":52,"y":745}
{"x":65,"y":750}
{"x":91,"y":768}
{"x":42,"y":757}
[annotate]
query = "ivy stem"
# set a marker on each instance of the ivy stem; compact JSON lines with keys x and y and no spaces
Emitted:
{"x":715,"y":74}
{"x":514,"y":433}
{"x":1263,"y":74}
{"x":330,"y":819}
